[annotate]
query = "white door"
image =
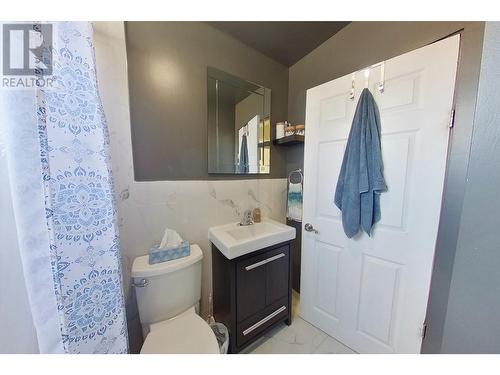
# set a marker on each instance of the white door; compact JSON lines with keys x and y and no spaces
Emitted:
{"x":371,"y":292}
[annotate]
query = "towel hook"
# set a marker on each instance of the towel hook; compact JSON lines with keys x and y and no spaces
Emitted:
{"x":353,"y":84}
{"x":381,"y":84}
{"x":245,"y":130}
{"x":367,"y":71}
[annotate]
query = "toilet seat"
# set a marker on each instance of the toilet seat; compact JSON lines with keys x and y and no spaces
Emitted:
{"x":187,"y":333}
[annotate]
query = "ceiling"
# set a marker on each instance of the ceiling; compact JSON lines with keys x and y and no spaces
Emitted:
{"x":284,"y":41}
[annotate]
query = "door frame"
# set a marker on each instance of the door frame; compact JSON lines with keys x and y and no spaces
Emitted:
{"x":460,"y":139}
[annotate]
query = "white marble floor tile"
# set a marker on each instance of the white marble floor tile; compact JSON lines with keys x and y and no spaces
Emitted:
{"x":332,"y":346}
{"x":298,"y":338}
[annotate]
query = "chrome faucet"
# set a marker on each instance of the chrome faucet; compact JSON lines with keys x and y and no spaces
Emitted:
{"x":246,"y":218}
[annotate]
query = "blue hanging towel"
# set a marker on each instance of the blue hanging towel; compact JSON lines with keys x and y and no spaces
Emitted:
{"x":243,"y":162}
{"x":361,"y":178}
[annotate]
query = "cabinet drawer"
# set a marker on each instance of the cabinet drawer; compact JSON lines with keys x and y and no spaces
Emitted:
{"x":260,"y":281}
{"x":254,"y":325}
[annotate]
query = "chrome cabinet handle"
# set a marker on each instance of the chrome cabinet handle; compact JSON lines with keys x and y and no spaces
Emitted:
{"x":262,"y":262}
{"x":262,"y":321}
{"x":309,"y":228}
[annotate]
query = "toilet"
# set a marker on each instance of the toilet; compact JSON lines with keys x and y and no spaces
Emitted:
{"x":168,"y":298}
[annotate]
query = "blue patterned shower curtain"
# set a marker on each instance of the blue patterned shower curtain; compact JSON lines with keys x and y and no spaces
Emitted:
{"x":60,"y":175}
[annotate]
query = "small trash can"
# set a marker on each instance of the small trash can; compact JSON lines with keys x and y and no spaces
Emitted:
{"x":222,"y":335}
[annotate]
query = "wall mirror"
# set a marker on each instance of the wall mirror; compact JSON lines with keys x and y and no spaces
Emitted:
{"x":239,"y":125}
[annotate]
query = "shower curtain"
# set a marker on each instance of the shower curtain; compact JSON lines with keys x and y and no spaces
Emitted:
{"x":57,"y":149}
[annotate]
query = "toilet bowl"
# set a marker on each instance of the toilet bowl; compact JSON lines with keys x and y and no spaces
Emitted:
{"x":187,"y":333}
{"x":168,"y":295}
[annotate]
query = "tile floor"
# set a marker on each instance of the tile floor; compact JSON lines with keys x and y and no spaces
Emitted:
{"x":298,"y":338}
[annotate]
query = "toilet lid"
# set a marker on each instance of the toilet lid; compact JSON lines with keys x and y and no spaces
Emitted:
{"x":185,"y":334}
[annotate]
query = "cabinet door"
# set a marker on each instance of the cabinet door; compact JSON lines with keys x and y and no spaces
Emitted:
{"x":277,"y":274}
{"x":261,"y":280}
{"x":250,"y":287}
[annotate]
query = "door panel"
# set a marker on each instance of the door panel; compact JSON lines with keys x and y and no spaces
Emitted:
{"x":327,"y":265}
{"x":334,"y":109}
{"x":378,"y":298}
{"x":401,"y":93}
{"x":396,"y":174}
{"x":329,"y":163}
{"x":371,"y":292}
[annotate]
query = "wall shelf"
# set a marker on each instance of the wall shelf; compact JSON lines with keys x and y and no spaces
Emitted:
{"x":290,"y":140}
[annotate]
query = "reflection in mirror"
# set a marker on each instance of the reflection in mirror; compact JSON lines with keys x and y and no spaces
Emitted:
{"x":239,"y":125}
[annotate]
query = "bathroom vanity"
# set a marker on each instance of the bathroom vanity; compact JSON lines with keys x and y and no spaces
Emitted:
{"x":252,"y":290}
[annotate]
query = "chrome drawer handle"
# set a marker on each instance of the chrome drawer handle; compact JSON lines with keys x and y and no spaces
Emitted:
{"x":262,"y":262}
{"x":262,"y":321}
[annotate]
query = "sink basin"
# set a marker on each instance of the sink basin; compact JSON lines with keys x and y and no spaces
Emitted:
{"x":234,"y":240}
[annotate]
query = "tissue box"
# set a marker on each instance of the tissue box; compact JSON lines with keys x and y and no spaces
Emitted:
{"x":157,"y":255}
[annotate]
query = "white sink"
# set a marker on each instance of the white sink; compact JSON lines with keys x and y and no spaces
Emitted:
{"x":234,"y":240}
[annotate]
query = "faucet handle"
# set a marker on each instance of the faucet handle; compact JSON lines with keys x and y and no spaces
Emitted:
{"x":247,"y":215}
{"x":246,"y":218}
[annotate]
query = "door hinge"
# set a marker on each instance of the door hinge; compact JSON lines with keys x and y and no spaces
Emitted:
{"x":423,"y":330}
{"x":452,"y":119}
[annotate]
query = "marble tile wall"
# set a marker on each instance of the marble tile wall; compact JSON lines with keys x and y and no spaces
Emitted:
{"x":190,"y":207}
{"x":146,"y":208}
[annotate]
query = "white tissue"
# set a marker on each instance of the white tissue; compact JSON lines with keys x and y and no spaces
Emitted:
{"x":170,"y":239}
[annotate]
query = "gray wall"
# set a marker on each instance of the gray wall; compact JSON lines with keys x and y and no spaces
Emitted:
{"x":472,"y":323}
{"x":361,"y":44}
{"x":167,"y":65}
{"x":356,"y":46}
{"x":294,"y":161}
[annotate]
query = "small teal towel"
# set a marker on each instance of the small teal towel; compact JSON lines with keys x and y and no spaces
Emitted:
{"x":157,"y":255}
{"x":294,"y":211}
{"x":361,"y":178}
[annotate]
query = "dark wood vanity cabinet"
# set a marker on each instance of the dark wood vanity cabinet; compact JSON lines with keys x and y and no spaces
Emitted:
{"x":252,"y":293}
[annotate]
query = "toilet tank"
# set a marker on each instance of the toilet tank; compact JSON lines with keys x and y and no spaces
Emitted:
{"x":166,"y":289}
